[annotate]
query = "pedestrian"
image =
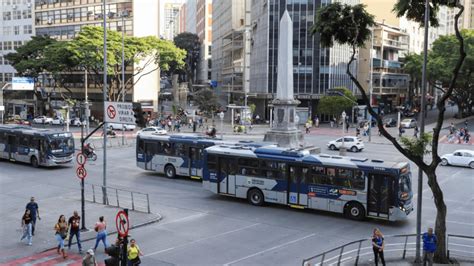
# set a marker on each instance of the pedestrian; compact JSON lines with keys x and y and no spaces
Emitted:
{"x":89,"y":259}
{"x":307,"y":127}
{"x":27,"y":224}
{"x":452,"y":129}
{"x":400,"y":131}
{"x":465,"y":124}
{"x":415,"y":132}
{"x":366,"y":129}
{"x":60,"y":229}
{"x":100,"y":227}
{"x":347,"y":126}
{"x":467,"y":137}
{"x":357,"y":131}
{"x":170,"y":124}
{"x":429,"y":246}
{"x":74,"y":230}
{"x":133,"y":253}
{"x":34,"y":211}
{"x":378,"y":245}
{"x":316,"y":121}
{"x":332,"y":122}
{"x":194,"y":126}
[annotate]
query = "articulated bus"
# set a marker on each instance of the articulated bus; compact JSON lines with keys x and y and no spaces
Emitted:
{"x":176,"y":155}
{"x":357,"y":188}
{"x":39,"y":147}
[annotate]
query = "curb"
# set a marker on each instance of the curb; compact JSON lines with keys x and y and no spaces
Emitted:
{"x":158,"y":218}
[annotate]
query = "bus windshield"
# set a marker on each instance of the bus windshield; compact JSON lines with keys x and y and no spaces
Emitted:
{"x":404,"y":183}
{"x":60,"y":145}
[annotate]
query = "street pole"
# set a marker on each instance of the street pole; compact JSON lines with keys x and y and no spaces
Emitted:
{"x":104,"y":96}
{"x":342,"y":149}
{"x":123,"y":72}
{"x":371,"y":82}
{"x":422,"y":131}
{"x":83,"y":207}
{"x":87,"y":111}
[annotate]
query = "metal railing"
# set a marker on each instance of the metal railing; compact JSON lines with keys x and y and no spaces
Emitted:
{"x":398,"y":246}
{"x":136,"y":201}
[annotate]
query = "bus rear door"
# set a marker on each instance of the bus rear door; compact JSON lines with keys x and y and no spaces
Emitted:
{"x":12,"y":146}
{"x":226,"y":172}
{"x":378,"y":198}
{"x":195,"y":164}
{"x":297,"y":195}
{"x":150,"y":151}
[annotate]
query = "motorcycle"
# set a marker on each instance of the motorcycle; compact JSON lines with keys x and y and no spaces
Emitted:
{"x":211,"y":132}
{"x":89,"y":152}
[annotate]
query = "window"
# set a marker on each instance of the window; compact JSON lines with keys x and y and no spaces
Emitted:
{"x":180,"y":149}
{"x":16,"y":44}
{"x":7,"y":45}
{"x":17,"y":14}
{"x":26,"y":13}
{"x":16,"y":30}
{"x":7,"y":30}
{"x":249,"y":166}
{"x":24,"y":141}
{"x":168,"y":148}
{"x":7,"y":15}
{"x":27,"y":29}
{"x":212,"y":162}
{"x":141,"y":146}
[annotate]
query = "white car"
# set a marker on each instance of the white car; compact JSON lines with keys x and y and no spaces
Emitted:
{"x":459,"y":158}
{"x":153,"y":130}
{"x":353,"y":144}
{"x":43,"y":120}
{"x":58,"y":121}
{"x":408,"y":123}
{"x":77,"y":122}
{"x":115,"y":126}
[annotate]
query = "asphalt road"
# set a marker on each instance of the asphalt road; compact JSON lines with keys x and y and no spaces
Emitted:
{"x":201,"y":228}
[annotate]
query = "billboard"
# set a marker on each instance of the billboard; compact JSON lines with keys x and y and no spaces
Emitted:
{"x":23,"y":84}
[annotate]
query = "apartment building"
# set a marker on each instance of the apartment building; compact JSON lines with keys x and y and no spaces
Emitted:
{"x":204,"y":32}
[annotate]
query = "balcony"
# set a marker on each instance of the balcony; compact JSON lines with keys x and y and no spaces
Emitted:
{"x":378,"y":63}
{"x":392,"y":44}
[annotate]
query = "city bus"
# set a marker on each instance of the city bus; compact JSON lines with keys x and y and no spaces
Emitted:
{"x":39,"y":147}
{"x":355,"y":187}
{"x":175,"y":155}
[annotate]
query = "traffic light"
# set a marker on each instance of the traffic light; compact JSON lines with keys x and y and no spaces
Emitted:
{"x":140,"y":116}
{"x":114,"y":252}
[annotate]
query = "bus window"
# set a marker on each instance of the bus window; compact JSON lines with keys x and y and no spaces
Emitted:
{"x":159,"y":147}
{"x":316,"y":176}
{"x":344,"y":173}
{"x":167,"y":148}
{"x":211,"y":162}
{"x":358,"y":182}
{"x":331,"y":171}
{"x":150,"y":148}
{"x":141,"y":146}
{"x":195,"y":154}
{"x":233,"y":169}
{"x":3,"y":138}
{"x":281,"y":170}
{"x":180,"y":149}
{"x":24,"y":141}
{"x":249,"y":166}
{"x":304,"y":173}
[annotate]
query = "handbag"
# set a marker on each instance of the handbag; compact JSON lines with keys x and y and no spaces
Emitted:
{"x":63,"y":234}
{"x":136,"y":261}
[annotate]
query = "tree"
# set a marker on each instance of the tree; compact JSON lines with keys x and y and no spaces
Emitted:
{"x":191,"y":44}
{"x":412,"y":66}
{"x":334,"y":105}
{"x":350,"y":25}
{"x":144,"y":54}
{"x":206,"y":100}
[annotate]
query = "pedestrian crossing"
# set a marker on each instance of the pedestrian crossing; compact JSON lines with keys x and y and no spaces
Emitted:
{"x":48,"y":258}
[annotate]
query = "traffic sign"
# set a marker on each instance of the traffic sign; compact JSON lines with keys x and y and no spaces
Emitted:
{"x":81,"y":159}
{"x":81,"y":172}
{"x":119,"y":112}
{"x":122,"y":224}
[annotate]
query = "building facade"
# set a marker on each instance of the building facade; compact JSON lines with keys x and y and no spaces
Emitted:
{"x":204,"y":32}
{"x":16,"y":28}
{"x":190,"y":23}
{"x":63,"y":19}
{"x":315,"y":69}
{"x":380,"y":68}
{"x":169,"y":18}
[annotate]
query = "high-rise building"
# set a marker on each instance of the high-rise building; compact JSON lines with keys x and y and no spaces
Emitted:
{"x":384,"y":74}
{"x":169,"y":18}
{"x":204,"y":32}
{"x":315,"y":69}
{"x":182,"y":18}
{"x":16,"y":28}
{"x":62,"y":20}
{"x":190,"y":23}
{"x":468,"y":15}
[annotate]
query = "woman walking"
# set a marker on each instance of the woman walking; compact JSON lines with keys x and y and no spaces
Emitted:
{"x":378,"y":245}
{"x":133,"y":253}
{"x":27,"y":225}
{"x":100,"y":227}
{"x":61,"y":233}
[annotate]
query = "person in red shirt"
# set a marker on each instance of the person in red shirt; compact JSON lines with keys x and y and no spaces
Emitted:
{"x":74,"y":230}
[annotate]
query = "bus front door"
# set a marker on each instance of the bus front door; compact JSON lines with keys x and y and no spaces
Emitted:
{"x":378,"y":195}
{"x":12,"y":147}
{"x":195,"y":163}
{"x":297,"y":195}
{"x":150,"y":150}
{"x":222,"y":176}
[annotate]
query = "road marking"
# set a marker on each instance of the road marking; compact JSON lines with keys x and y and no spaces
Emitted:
{"x":455,"y":222}
{"x":439,"y":182}
{"x":269,"y":249}
{"x":183,"y":219}
{"x":199,"y":240}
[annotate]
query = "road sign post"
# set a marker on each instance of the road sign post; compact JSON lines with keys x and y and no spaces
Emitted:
{"x":123,"y":225}
{"x":221,"y":116}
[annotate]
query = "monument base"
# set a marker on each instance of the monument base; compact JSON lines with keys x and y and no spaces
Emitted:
{"x":289,"y":139}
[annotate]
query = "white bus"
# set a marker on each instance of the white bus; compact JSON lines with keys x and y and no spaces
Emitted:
{"x":357,"y":188}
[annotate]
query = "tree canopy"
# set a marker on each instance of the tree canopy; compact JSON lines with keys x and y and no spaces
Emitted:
{"x":334,"y":104}
{"x":191,"y":44}
{"x":206,"y":100}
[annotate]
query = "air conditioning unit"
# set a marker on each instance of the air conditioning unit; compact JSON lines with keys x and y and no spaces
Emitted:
{"x":50,"y":21}
{"x":28,"y":5}
{"x":13,"y":7}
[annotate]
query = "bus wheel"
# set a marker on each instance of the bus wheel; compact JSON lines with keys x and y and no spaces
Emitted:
{"x":355,"y":211}
{"x":34,"y":162}
{"x":170,"y":172}
{"x":255,"y":197}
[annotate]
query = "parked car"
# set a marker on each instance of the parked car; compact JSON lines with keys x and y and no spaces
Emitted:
{"x":408,"y":123}
{"x":459,"y":158}
{"x":116,"y":126}
{"x":77,"y":122}
{"x":353,"y":144}
{"x":58,"y":121}
{"x":390,"y":122}
{"x":154,"y":130}
{"x":16,"y":119}
{"x":43,"y":120}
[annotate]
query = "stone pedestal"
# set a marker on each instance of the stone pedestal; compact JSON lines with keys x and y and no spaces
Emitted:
{"x":285,"y":131}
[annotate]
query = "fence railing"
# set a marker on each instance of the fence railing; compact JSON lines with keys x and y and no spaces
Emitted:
{"x":398,"y":246}
{"x":136,"y":201}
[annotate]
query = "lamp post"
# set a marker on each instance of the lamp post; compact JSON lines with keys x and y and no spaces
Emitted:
{"x":104,"y":96}
{"x":123,"y":15}
{"x":342,"y":149}
{"x":371,"y":84}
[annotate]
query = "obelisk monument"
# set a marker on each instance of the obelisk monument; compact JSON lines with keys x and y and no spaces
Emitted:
{"x":285,"y":131}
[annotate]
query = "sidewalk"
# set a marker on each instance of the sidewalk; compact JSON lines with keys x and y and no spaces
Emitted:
{"x":50,"y":209}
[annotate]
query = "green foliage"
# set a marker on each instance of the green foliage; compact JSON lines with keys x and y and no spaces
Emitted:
{"x":252,"y":107}
{"x":206,"y":100}
{"x":418,"y":146}
{"x":344,"y":24}
{"x":334,"y":105}
{"x":415,"y":10}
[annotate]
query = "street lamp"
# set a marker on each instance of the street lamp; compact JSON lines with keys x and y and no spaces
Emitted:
{"x":342,"y":149}
{"x":123,"y":15}
{"x":371,"y":85}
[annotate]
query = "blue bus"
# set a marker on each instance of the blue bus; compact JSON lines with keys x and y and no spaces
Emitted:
{"x":39,"y":147}
{"x":355,"y":187}
{"x":175,"y":155}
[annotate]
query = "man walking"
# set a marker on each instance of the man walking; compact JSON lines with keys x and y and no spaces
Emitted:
{"x":34,"y":211}
{"x":74,"y":230}
{"x":429,"y":246}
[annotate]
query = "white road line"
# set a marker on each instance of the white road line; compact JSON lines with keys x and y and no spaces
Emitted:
{"x":455,"y":222}
{"x":451,"y":210}
{"x":199,"y":240}
{"x":183,"y":219}
{"x":269,"y":249}
{"x":440,"y":182}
